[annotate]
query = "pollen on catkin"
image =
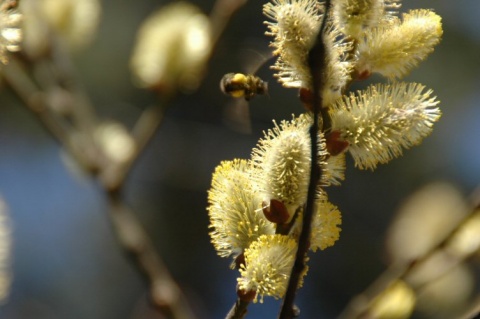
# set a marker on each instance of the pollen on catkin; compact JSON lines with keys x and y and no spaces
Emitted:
{"x":393,"y":49}
{"x":337,"y":67}
{"x":325,"y":228}
{"x":283,"y":160}
{"x":294,"y":30}
{"x":325,"y":225}
{"x":268,"y":263}
{"x":294,"y":27}
{"x":353,"y":17}
{"x":235,"y":209}
{"x":334,"y":170}
{"x":380,"y":121}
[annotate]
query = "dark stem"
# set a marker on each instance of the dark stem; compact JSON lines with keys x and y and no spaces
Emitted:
{"x":239,"y":310}
{"x":316,"y":63}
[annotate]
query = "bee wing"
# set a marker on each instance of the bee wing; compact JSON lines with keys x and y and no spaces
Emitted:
{"x":253,"y":60}
{"x":236,"y":115}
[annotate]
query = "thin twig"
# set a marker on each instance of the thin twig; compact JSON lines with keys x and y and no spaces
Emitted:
{"x":36,"y":101}
{"x":84,"y":113}
{"x":239,"y":310}
{"x":165,"y":294}
{"x":361,"y":303}
{"x":113,"y":176}
{"x":316,"y":62}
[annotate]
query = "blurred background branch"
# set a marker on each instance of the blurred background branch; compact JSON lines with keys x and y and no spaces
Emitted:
{"x":47,"y":86}
{"x":407,"y":280}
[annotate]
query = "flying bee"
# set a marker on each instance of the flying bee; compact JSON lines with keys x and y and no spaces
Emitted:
{"x":240,"y":85}
{"x":243,"y":87}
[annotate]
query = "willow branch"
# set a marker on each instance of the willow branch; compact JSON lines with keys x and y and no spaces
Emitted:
{"x":239,"y":310}
{"x":113,"y":176}
{"x":361,"y":304}
{"x":57,"y":72}
{"x":84,"y":114}
{"x":36,"y":101}
{"x":316,"y":62}
{"x":165,"y":294}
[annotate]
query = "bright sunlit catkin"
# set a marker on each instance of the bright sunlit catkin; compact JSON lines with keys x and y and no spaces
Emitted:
{"x":294,"y":27}
{"x":235,"y":209}
{"x":325,"y":225}
{"x":268,"y":262}
{"x":375,"y":125}
{"x":380,"y":121}
{"x":334,"y":170}
{"x":283,"y":159}
{"x":355,"y":16}
{"x":394,"y":48}
{"x":337,"y":67}
{"x":10,"y":32}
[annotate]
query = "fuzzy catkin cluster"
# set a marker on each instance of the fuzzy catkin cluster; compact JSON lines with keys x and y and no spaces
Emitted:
{"x":362,"y":37}
{"x":246,"y":194}
{"x":256,"y":205}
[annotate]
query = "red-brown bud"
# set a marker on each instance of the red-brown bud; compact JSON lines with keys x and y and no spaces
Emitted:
{"x":363,"y":75}
{"x":306,"y":97}
{"x":335,"y":145}
{"x":276,"y":212}
{"x":239,"y":260}
{"x":246,"y":295}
